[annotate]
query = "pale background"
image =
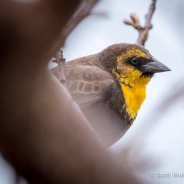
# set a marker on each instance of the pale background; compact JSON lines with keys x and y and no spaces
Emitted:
{"x":163,"y":146}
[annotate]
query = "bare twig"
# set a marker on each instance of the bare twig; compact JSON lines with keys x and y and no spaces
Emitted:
{"x":61,"y":67}
{"x":82,"y":13}
{"x":143,"y":30}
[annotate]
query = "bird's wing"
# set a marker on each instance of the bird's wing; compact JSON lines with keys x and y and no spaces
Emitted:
{"x":88,"y":84}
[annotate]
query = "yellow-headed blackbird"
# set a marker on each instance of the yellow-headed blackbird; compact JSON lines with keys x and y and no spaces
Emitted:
{"x":110,"y":86}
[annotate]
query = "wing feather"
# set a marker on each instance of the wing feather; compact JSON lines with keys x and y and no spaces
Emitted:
{"x":88,"y":84}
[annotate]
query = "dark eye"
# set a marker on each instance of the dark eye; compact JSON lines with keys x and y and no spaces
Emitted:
{"x":135,"y":61}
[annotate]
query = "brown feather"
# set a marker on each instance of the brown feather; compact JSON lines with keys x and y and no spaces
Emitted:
{"x":98,"y":94}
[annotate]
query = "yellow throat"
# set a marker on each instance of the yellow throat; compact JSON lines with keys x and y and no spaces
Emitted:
{"x":133,"y":86}
{"x":134,"y":96}
{"x":134,"y":92}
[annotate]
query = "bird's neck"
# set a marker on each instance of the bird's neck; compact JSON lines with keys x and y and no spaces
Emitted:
{"x":134,"y":97}
{"x":134,"y":92}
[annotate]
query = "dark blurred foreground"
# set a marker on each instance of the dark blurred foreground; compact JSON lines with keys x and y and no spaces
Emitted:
{"x":43,"y":133}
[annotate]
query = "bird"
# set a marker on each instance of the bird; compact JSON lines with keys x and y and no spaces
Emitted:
{"x":110,"y":86}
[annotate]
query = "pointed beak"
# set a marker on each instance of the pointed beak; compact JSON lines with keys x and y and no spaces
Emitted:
{"x":154,"y":67}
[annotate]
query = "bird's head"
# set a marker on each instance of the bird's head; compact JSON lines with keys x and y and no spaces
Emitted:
{"x":133,"y":66}
{"x":136,"y":66}
{"x":131,"y":63}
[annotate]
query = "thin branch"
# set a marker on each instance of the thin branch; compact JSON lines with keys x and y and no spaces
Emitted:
{"x":142,"y":30}
{"x":61,"y":67}
{"x":82,"y":13}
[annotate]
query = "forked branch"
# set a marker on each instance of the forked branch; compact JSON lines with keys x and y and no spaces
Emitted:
{"x":142,"y":30}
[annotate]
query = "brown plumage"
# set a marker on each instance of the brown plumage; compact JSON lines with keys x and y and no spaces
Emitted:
{"x":94,"y":83}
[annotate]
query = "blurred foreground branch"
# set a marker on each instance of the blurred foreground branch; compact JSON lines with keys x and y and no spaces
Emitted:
{"x":82,"y":13}
{"x":43,"y":133}
{"x":142,"y":30}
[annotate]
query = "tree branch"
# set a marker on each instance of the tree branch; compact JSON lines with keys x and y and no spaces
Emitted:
{"x":61,"y":67}
{"x":82,"y":13}
{"x":142,"y":30}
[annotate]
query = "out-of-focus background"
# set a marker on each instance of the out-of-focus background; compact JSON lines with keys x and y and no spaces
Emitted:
{"x":162,"y":147}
